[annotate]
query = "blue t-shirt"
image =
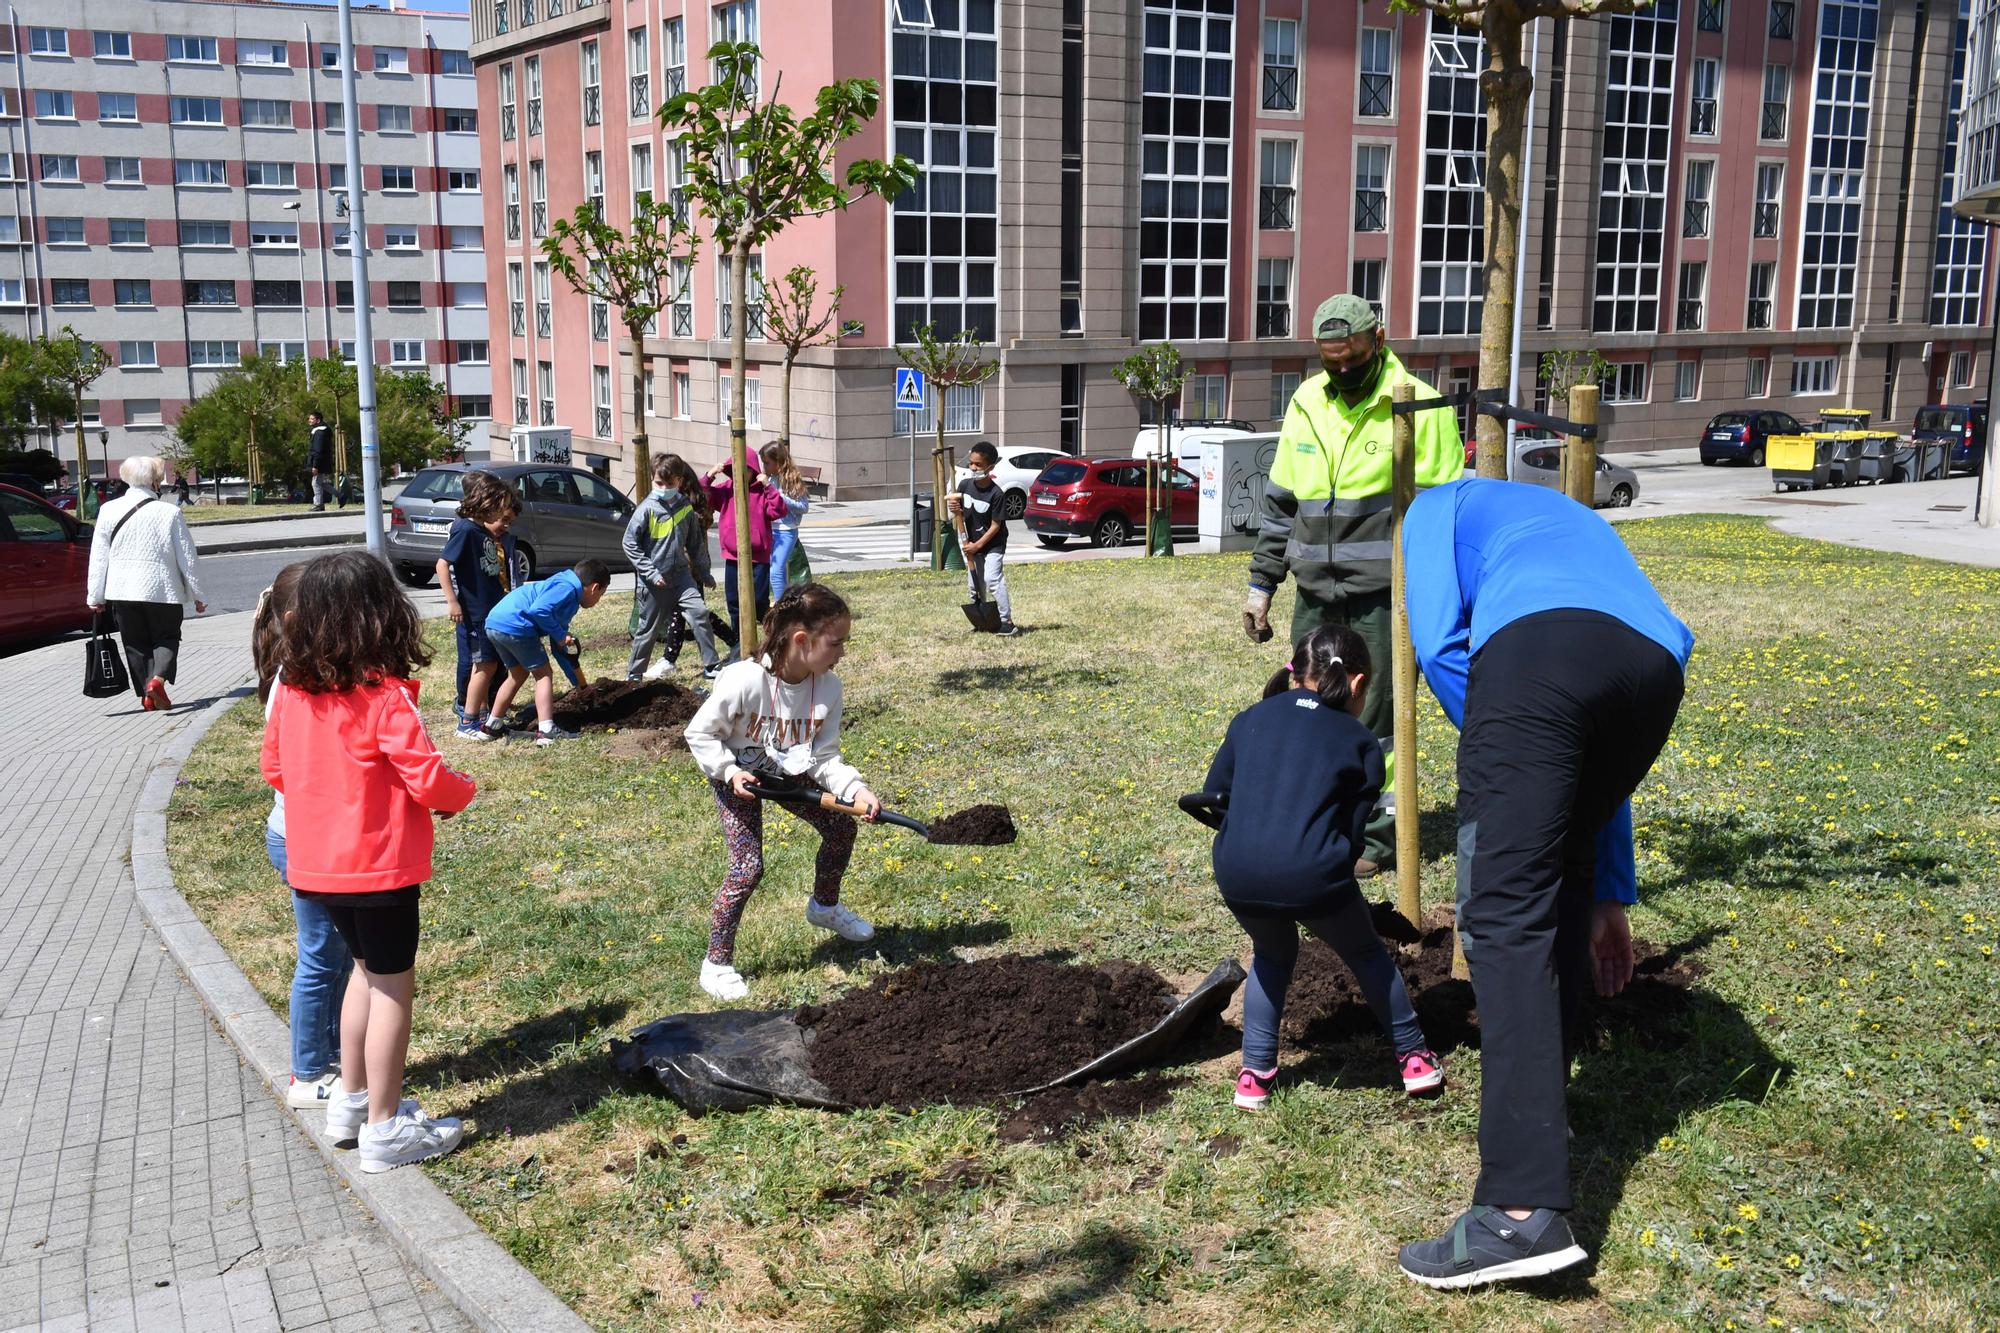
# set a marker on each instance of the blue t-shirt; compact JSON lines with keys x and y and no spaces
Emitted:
{"x":544,"y":607}
{"x":481,"y":567}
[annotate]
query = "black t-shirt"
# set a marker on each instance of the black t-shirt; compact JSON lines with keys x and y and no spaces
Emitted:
{"x":480,"y":567}
{"x":983,"y":506}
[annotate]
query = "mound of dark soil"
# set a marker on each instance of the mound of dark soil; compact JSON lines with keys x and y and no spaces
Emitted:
{"x":1325,"y":1005}
{"x":608,"y":702}
{"x":967,"y":1032}
{"x":1052,"y":1114}
{"x":975,"y":826}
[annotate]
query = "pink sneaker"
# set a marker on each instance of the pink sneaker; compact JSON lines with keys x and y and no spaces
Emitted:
{"x":1422,"y":1071}
{"x":1254,"y":1089}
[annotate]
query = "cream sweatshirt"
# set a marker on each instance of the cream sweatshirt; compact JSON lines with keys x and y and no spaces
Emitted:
{"x":752,"y":706}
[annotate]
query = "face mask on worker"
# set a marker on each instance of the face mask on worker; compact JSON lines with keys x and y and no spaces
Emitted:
{"x":1361,"y":377}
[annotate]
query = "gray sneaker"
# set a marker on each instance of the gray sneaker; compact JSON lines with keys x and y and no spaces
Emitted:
{"x":553,"y":735}
{"x":1485,"y":1245}
{"x":411,"y":1137}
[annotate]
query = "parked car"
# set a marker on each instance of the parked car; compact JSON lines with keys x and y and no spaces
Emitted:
{"x":1540,"y":464}
{"x":566,"y":515}
{"x":44,"y":568}
{"x":1016,"y":472}
{"x":65,"y":497}
{"x":1739,"y":437}
{"x":1103,"y":500}
{"x":1963,"y":425}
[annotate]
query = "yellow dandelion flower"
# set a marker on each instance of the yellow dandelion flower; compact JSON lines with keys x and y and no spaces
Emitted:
{"x":1747,"y":1211}
{"x":1979,"y":1142}
{"x":1648,"y":1236}
{"x":1725,"y":1262}
{"x":1792,"y":1261}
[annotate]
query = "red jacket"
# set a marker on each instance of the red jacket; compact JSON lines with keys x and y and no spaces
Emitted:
{"x":766,"y":503}
{"x":360,"y":778}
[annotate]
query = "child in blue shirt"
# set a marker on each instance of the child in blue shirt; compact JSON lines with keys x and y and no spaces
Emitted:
{"x":516,"y":627}
{"x":476,"y":569}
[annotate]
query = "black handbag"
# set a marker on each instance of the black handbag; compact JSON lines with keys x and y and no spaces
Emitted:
{"x":104,"y":663}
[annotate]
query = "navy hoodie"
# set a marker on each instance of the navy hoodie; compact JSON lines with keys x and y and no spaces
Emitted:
{"x":1298,"y":779}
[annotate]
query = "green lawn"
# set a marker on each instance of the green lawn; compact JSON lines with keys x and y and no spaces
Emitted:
{"x":1812,"y":1149}
{"x":210,"y":512}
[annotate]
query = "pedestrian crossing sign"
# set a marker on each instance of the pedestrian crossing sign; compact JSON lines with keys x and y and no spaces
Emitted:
{"x":909,"y":389}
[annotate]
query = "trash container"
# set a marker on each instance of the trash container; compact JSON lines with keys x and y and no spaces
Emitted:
{"x":1878,"y":459}
{"x":923,"y":522}
{"x":1929,"y":460}
{"x":1799,"y":462}
{"x":1846,"y":467}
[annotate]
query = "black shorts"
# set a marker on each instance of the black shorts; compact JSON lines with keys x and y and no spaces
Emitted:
{"x":379,"y":929}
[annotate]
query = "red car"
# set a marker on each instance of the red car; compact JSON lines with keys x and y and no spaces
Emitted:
{"x":65,"y":499}
{"x":1102,"y":499}
{"x":44,"y":568}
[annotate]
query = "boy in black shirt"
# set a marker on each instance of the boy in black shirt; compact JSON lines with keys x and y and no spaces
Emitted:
{"x":984,"y":505}
{"x":476,"y":569}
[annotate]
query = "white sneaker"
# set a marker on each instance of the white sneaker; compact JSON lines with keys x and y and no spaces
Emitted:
{"x":410,"y":1137}
{"x":842,"y":922}
{"x":346,"y":1113}
{"x":660,"y":670}
{"x":312,"y":1094}
{"x":723,"y":981}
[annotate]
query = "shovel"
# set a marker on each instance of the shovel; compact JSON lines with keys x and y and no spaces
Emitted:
{"x":984,"y":615}
{"x":825,"y":800}
{"x":568,"y":664}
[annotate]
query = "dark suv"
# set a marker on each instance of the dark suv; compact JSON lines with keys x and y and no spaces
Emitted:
{"x":1963,"y":425}
{"x":1738,"y":437}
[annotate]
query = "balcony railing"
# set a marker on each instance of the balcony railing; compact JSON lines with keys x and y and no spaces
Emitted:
{"x":1773,"y":126}
{"x":753,"y":327}
{"x":593,"y":104}
{"x":520,"y":407}
{"x":595,"y":202}
{"x":1377,"y":94}
{"x":642,"y":96}
{"x":683,"y":321}
{"x":600,"y":322}
{"x":517,"y":317}
{"x":500,"y":17}
{"x":1766,"y":221}
{"x":1701,"y":116}
{"x":507,"y":122}
{"x":1274,"y":319}
{"x":534,"y":117}
{"x":1274,"y":207}
{"x":1281,"y":88}
{"x":1759,"y":314}
{"x":673,"y":80}
{"x":538,"y":217}
{"x":1694,"y":218}
{"x":1371,"y":210}
{"x":544,"y":322}
{"x":603,"y":423}
{"x":1687,"y":316}
{"x":1781,"y":19}
{"x":548,"y":412}
{"x":513,"y":222}
{"x":527,"y":12}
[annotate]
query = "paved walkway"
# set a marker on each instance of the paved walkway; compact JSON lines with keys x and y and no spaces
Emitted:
{"x":150,"y":1180}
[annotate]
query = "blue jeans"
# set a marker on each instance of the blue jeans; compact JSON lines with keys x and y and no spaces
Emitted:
{"x":318,"y":982}
{"x":783,"y":542}
{"x":1349,"y":932}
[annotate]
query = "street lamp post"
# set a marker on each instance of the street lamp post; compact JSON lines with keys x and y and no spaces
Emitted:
{"x":305,"y":319}
{"x":364,"y":347}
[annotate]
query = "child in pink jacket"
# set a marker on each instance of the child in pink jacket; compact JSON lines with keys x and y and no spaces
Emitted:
{"x":767,"y":503}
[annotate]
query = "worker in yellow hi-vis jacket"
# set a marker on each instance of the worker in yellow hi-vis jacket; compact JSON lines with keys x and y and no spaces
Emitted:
{"x":1326,"y":510}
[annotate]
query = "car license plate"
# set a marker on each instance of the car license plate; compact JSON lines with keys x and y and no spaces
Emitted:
{"x":430,"y":525}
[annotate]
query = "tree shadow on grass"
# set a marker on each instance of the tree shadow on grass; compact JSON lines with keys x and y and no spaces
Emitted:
{"x":1074,"y":1275}
{"x":1026,"y":676}
{"x":899,"y":946}
{"x":522,"y":1047}
{"x":1729,"y":847}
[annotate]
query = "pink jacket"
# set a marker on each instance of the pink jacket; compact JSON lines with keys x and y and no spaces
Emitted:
{"x":766,"y":503}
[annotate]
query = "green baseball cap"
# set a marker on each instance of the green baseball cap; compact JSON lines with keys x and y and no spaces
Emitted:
{"x":1343,"y":316}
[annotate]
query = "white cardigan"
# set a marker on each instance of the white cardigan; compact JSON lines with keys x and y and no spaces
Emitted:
{"x":155,"y":561}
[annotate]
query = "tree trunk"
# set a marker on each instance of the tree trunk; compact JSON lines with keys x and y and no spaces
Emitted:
{"x":642,"y":458}
{"x":1507,"y":84}
{"x":739,"y":449}
{"x":785,"y":400}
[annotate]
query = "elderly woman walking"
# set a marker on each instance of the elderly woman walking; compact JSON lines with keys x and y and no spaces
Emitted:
{"x":142,"y":567}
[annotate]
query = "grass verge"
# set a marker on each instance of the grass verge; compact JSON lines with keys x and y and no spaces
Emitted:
{"x":1823,"y":833}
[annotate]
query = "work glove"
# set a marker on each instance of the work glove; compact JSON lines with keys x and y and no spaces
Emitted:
{"x":1257,"y":615}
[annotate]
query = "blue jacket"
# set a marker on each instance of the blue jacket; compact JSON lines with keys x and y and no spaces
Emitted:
{"x":545,"y":606}
{"x":1480,"y":554}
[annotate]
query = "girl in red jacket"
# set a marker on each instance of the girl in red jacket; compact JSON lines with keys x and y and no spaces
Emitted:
{"x":361,"y":779}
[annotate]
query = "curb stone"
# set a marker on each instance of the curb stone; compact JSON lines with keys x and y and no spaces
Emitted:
{"x":488,"y":1285}
{"x":280,"y":543}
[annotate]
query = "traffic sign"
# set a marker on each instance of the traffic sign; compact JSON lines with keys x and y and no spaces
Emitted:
{"x":909,"y":389}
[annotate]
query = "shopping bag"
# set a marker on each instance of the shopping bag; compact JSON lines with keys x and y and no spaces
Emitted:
{"x":104,"y":664}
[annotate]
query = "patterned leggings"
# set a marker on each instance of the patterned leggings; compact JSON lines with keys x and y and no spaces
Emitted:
{"x":743,"y":832}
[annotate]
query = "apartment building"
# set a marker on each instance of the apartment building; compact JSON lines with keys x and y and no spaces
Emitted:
{"x":1979,"y":142}
{"x":1734,"y":200}
{"x":172,"y":182}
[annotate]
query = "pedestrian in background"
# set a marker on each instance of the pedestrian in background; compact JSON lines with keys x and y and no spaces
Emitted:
{"x":319,"y":461}
{"x":143,"y":569}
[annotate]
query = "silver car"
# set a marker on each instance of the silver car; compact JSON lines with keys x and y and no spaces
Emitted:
{"x":567,"y":514}
{"x":1540,"y":464}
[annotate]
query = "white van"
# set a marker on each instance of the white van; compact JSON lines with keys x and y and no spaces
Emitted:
{"x":1184,"y":440}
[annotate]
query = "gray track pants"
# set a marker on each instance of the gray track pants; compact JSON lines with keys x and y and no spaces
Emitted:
{"x":655,"y":606}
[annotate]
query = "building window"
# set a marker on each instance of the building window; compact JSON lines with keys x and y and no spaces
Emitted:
{"x":267,"y":113}
{"x":538,"y":200}
{"x":544,"y":301}
{"x":1367,"y":279}
{"x":191,"y":110}
{"x":69,"y":291}
{"x":60,"y":168}
{"x":1698,"y":201}
{"x":1832,"y":225}
{"x":1070,"y":413}
{"x":118,"y":107}
{"x":11,"y":292}
{"x":399,"y":238}
{"x":204,"y":234}
{"x":1274,"y":298}
{"x":54,"y":105}
{"x":532,"y":69}
{"x":455,"y":62}
{"x":1815,"y":375}
{"x":521,"y":392}
{"x":270,"y":175}
{"x":1769,"y":201}
{"x":462,"y":180}
{"x":343,"y":295}
{"x":347,"y":348}
{"x":142,"y":412}
{"x":600,"y":399}
{"x":593,"y":182}
{"x":753,"y":398}
{"x":502,"y":18}
{"x":592,"y":66}
{"x":1703,"y":96}
{"x":737,"y":22}
{"x":132,"y":291}
{"x":137,"y":355}
{"x":1777,"y":102}
{"x":545,"y":386}
{"x":753,"y":290}
{"x":111,"y":45}
{"x":274,"y":235}
{"x":64,"y":231}
{"x":680,"y":300}
{"x":1708,"y":15}
{"x":277,"y":293}
{"x":121,"y":171}
{"x":468,"y":296}
{"x":1781,"y":19}
{"x":461,"y":120}
{"x":1277,"y":193}
{"x":1687,"y":381}
{"x":406,"y":352}
{"x":1693,"y":288}
{"x":128,"y":231}
{"x":1281,"y":64}
{"x":333,"y":116}
{"x":1960,"y":374}
{"x":201,"y":171}
{"x":1959,"y":254}
{"x":399,"y":178}
{"x":1625,"y":382}
{"x":964,"y":413}
{"x":1184,"y":187}
{"x":1206,"y":398}
{"x":262,"y":53}
{"x":475,"y":406}
{"x":510,"y":180}
{"x":517,"y":307}
{"x":471,"y":352}
{"x":944,"y":107}
{"x":673,"y":57}
{"x":1763,"y":277}
{"x":391,"y":118}
{"x":1378,"y":72}
{"x":1632,"y":208}
{"x":392,"y":60}
{"x":642,"y":176}
{"x":1757,"y":377}
{"x":1284,"y":383}
{"x":639,"y":70}
{"x":190,"y":50}
{"x":1371,"y":187}
{"x":208,"y":291}
{"x":507,"y":103}
{"x":1449,"y":292}
{"x":212,"y":353}
{"x":677,"y":177}
{"x":48,"y":41}
{"x":406,"y":295}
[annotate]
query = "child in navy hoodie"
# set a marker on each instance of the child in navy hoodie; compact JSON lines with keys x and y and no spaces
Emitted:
{"x":1296,"y":778}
